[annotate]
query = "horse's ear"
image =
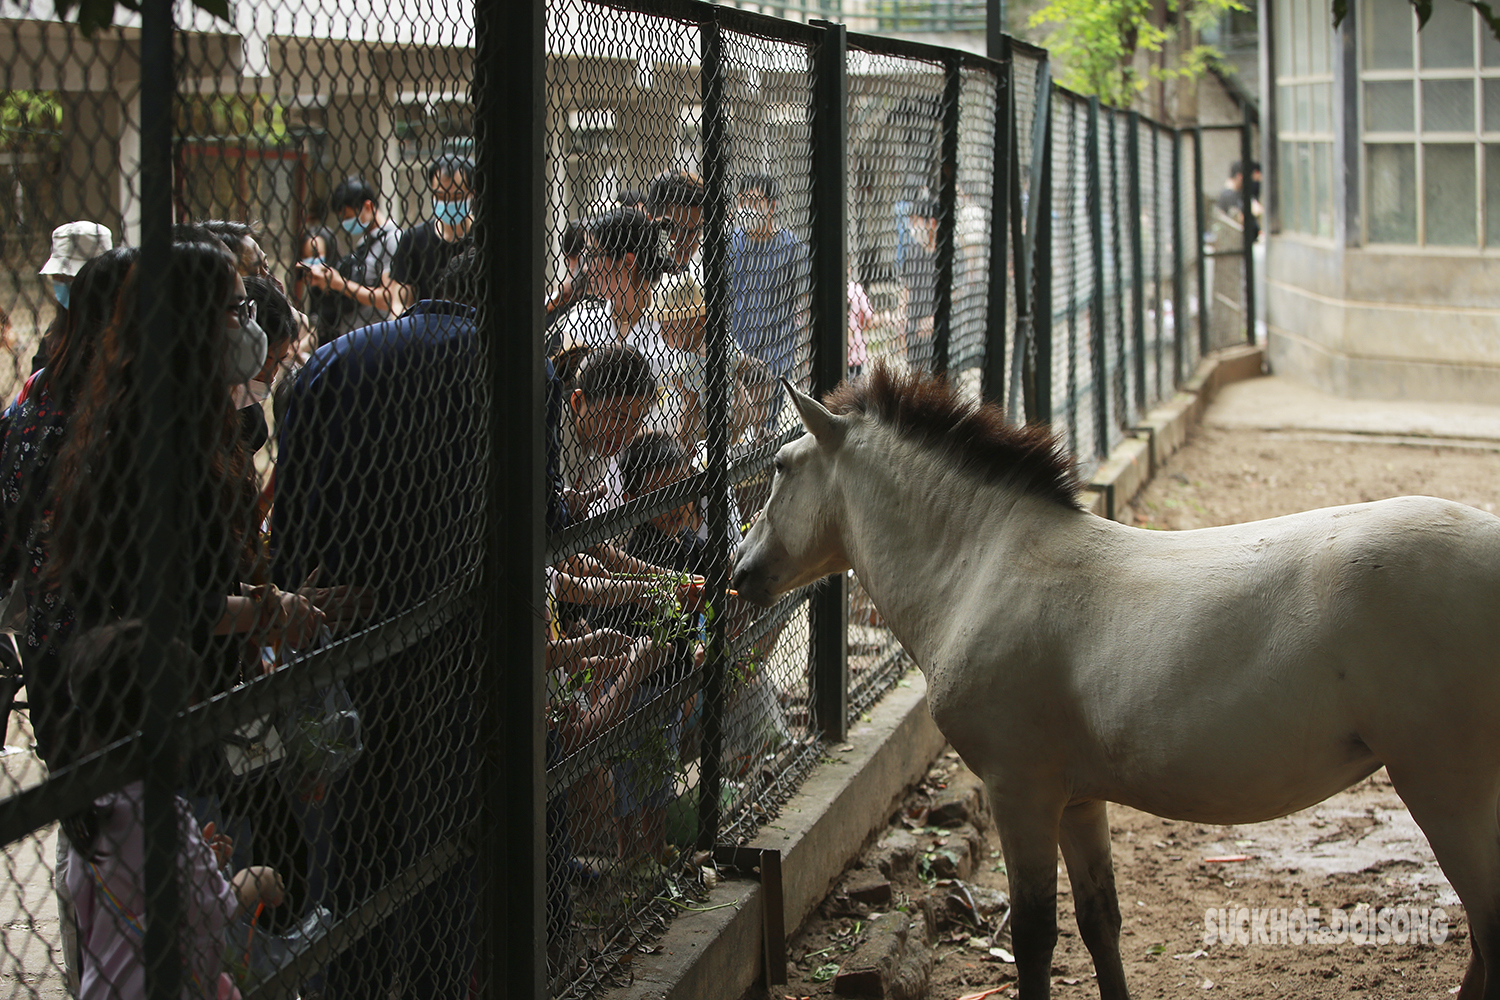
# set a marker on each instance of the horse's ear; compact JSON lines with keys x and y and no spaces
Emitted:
{"x":820,"y":423}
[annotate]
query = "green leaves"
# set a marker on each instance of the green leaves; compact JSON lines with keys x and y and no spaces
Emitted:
{"x":29,"y":110}
{"x":1486,"y":14}
{"x":1094,"y":43}
{"x":96,"y":14}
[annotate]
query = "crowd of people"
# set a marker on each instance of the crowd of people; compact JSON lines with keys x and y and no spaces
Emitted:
{"x":328,"y":435}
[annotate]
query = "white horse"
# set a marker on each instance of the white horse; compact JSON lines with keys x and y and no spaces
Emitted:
{"x":1224,"y":675}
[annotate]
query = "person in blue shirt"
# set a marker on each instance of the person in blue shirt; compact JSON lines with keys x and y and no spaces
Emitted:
{"x":769,"y":281}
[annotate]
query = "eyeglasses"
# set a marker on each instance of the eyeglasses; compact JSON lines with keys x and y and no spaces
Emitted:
{"x":243,"y":309}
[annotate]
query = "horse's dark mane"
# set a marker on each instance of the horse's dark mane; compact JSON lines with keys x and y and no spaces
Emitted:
{"x":978,"y":438}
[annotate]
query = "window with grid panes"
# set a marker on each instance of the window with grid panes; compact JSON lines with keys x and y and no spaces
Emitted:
{"x":1305,"y":94}
{"x":1430,"y":122}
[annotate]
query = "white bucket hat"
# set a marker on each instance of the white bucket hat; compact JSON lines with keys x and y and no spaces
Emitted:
{"x":74,"y":245}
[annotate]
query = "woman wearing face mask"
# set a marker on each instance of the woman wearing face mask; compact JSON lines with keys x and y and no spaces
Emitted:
{"x":425,"y":251}
{"x":73,"y":245}
{"x":99,"y":527}
{"x":273,"y":315}
{"x":362,"y":279}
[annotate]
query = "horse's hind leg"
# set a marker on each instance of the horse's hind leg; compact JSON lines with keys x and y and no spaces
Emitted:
{"x":1460,"y":822}
{"x":1085,"y":849}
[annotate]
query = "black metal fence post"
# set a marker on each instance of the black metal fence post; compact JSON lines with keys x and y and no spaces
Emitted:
{"x":1117,"y":377}
{"x":1247,"y":230}
{"x":1179,"y":299}
{"x":1097,"y":330}
{"x":1070,"y":318}
{"x":1157,"y":300}
{"x":947,"y":217}
{"x":1205,"y":296}
{"x":1040,"y":410}
{"x":161,"y":576}
{"x":998,"y":48}
{"x":508,"y":100}
{"x":1137,"y":266}
{"x":992,"y":384}
{"x":716,"y":289}
{"x":830,"y":135}
{"x":1022,"y":228}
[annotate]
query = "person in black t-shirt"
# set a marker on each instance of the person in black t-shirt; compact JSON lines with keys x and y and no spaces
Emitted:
{"x":424,"y":251}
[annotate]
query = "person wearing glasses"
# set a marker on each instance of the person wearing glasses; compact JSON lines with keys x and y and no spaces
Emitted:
{"x":424,"y":252}
{"x":675,"y":199}
{"x":243,"y":240}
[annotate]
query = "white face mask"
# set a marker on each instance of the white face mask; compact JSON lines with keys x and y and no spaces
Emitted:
{"x":245,"y":354}
{"x":251,"y":393}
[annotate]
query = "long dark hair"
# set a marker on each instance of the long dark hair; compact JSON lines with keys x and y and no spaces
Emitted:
{"x":92,"y":305}
{"x":98,"y":541}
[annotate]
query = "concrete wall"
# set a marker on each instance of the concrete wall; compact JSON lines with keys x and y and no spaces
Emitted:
{"x":1368,"y":324}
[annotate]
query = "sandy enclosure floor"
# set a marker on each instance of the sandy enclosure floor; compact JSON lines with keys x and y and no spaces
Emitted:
{"x":1359,"y":847}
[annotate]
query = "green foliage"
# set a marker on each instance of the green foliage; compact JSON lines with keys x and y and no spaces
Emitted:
{"x":30,"y":120}
{"x":96,"y":14}
{"x":232,"y":115}
{"x":29,"y":110}
{"x":1094,"y":43}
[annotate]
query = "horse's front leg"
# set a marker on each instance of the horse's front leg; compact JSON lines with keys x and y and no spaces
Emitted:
{"x":1028,"y":837}
{"x":1085,"y":849}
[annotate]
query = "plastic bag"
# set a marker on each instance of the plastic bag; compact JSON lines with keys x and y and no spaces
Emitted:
{"x":322,"y":737}
{"x":254,"y":955}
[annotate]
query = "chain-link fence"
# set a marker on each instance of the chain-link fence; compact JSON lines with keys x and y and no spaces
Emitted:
{"x":385,"y":401}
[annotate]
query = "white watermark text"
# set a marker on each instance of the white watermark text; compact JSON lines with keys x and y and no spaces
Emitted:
{"x":1362,"y":925}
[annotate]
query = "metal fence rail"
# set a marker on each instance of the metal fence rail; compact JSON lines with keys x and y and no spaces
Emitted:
{"x":439,"y":631}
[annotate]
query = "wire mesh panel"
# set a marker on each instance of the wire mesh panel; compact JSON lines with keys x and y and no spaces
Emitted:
{"x":1115,"y":276}
{"x":895,"y":123}
{"x":1024,"y":79}
{"x":1192,"y":249}
{"x":253,"y":514}
{"x":895,"y":153}
{"x":1081,"y":292}
{"x":303,"y":602}
{"x":973,"y":239}
{"x":769,"y":721}
{"x":1151,"y":292}
{"x":1165,"y":198}
{"x":1064,"y":270}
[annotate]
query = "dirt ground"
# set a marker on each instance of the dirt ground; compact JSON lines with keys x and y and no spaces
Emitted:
{"x":1358,"y":848}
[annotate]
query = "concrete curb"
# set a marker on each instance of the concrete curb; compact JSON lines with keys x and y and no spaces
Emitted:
{"x":1133,"y":462}
{"x":715,"y":954}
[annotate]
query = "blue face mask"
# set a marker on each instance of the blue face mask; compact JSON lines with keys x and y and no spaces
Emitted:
{"x":60,"y":291}
{"x":450,"y":213}
{"x":310,"y":261}
{"x":352,"y":225}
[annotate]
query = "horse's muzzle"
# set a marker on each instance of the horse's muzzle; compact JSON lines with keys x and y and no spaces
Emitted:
{"x":749,"y":579}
